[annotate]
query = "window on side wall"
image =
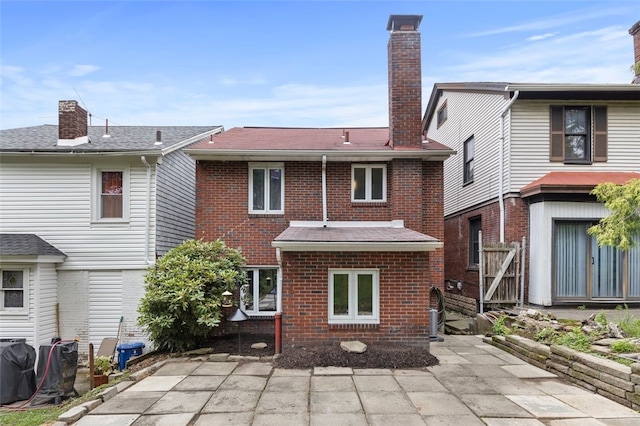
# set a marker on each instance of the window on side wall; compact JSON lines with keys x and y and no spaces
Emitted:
{"x":442,"y":114}
{"x":369,"y":183}
{"x":475,"y":225}
{"x":266,"y":188}
{"x":468,"y":160}
{"x":354,"y":296}
{"x":112,"y":195}
{"x":15,"y":291}
{"x":578,"y":134}
{"x":260,"y":295}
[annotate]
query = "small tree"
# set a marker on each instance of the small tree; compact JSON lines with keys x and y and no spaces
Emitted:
{"x":623,"y":225}
{"x":183,"y":293}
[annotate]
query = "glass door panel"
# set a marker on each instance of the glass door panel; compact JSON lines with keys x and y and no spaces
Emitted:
{"x":571,"y":254}
{"x":606,"y":271}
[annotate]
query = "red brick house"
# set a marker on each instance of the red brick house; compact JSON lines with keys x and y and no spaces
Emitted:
{"x":342,"y":228}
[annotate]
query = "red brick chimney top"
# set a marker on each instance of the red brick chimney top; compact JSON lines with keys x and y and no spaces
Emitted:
{"x":405,"y":82}
{"x":72,"y":120}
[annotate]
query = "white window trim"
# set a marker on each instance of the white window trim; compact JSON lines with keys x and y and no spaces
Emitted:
{"x":374,"y":318}
{"x":367,"y":196}
{"x":256,"y":312}
{"x":96,"y":194}
{"x":266,"y":167}
{"x":24,"y":310}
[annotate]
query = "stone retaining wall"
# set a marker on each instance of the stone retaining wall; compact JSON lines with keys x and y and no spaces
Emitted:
{"x":462,"y":304}
{"x":608,"y":378}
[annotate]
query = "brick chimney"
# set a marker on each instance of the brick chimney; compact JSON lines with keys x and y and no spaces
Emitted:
{"x":405,"y":81}
{"x":72,"y":120}
{"x":635,"y":33}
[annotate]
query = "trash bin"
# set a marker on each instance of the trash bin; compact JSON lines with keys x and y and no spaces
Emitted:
{"x":126,"y":351}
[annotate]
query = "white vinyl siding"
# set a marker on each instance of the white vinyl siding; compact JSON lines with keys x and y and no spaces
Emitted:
{"x":105,"y":305}
{"x":53,"y":200}
{"x":470,"y":115}
{"x":176,"y":201}
{"x":530,"y":142}
{"x":38,"y":324}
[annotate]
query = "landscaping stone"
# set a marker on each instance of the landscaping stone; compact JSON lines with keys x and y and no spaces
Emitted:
{"x":73,"y":415}
{"x":353,"y":346}
{"x":259,"y":345}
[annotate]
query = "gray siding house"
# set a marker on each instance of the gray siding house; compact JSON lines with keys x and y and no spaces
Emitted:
{"x":84,"y":211}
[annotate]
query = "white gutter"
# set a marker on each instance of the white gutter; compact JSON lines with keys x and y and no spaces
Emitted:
{"x":324,"y":191}
{"x":501,"y":164}
{"x":147,"y":223}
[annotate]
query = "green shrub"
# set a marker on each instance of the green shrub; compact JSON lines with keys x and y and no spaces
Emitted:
{"x":630,"y":325}
{"x":499,"y":326}
{"x":624,"y":347}
{"x":575,"y":339}
{"x":546,"y":335}
{"x":601,"y":318}
{"x":183,"y":293}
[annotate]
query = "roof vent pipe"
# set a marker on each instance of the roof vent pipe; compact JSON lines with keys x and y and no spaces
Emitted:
{"x":158,"y":136}
{"x":346,"y":138}
{"x":106,"y":129}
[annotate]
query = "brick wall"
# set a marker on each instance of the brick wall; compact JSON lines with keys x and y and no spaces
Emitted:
{"x":456,"y":230}
{"x":404,"y":298}
{"x":72,"y":120}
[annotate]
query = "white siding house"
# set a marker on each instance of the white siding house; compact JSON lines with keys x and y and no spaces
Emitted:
{"x":528,"y":157}
{"x":109,"y":205}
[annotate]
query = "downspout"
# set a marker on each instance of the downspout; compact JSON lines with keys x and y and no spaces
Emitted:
{"x":324,"y":191}
{"x":147,"y":223}
{"x":501,"y":164}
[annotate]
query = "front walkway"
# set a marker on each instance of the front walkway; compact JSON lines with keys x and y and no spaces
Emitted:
{"x":475,"y":384}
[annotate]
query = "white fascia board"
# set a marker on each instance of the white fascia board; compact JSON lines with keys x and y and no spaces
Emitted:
{"x":313,"y":155}
{"x":550,"y":87}
{"x":366,"y":246}
{"x":14,"y":259}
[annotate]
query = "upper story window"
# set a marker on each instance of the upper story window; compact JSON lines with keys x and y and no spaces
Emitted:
{"x":475,"y":225}
{"x":369,"y":182}
{"x":266,"y":188}
{"x":442,"y":114}
{"x":468,"y":160}
{"x":260,"y":294}
{"x":111,"y":202}
{"x":578,"y":134}
{"x":14,"y":291}
{"x":354,"y":296}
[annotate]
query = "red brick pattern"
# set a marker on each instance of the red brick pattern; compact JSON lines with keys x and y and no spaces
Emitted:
{"x":404,"y":298}
{"x":72,"y":120}
{"x":456,"y":228}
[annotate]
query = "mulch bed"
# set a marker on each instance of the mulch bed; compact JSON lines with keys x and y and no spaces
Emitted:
{"x":302,"y":357}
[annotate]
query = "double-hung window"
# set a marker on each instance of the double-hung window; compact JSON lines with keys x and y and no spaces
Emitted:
{"x":14,"y":290}
{"x":369,"y":182}
{"x":578,"y":134}
{"x":468,"y":160}
{"x":260,"y":294}
{"x":266,"y":188}
{"x":111,"y":200}
{"x":475,"y":225}
{"x":354,"y":296}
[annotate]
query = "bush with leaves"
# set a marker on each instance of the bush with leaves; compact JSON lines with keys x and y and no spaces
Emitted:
{"x":622,"y":228}
{"x":183,"y":293}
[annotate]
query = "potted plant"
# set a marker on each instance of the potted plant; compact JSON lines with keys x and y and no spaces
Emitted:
{"x":101,"y":369}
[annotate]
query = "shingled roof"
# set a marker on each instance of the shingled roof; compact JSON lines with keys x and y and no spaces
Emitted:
{"x":26,"y":245}
{"x":44,"y":139}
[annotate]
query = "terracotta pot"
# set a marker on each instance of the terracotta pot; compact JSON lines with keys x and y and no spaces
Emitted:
{"x":100,"y":379}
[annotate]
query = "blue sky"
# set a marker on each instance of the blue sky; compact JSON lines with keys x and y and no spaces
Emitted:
{"x":288,"y":63}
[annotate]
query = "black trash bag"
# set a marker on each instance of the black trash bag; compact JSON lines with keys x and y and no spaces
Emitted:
{"x":17,"y":376}
{"x":60,"y":377}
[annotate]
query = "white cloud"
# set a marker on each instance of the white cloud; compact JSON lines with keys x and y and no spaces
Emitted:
{"x":82,"y":70}
{"x":541,"y":37}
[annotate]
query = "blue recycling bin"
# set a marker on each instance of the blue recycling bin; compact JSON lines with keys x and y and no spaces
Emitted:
{"x":126,"y":351}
